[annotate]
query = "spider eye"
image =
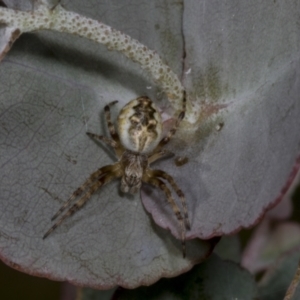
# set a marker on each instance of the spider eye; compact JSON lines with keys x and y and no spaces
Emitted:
{"x":133,"y":181}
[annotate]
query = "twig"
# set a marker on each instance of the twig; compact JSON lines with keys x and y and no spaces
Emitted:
{"x":293,"y":286}
{"x":59,"y":19}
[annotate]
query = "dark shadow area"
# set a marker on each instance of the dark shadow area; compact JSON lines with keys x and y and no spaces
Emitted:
{"x":16,"y":285}
{"x":89,"y":62}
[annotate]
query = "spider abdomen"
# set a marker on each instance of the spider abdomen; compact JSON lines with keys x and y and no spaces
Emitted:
{"x":140,"y":125}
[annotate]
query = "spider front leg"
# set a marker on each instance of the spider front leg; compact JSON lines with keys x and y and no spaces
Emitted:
{"x":160,"y":184}
{"x":115,"y":141}
{"x":159,"y":154}
{"x":172,"y":131}
{"x":108,"y":173}
{"x":110,"y":125}
{"x":104,"y":139}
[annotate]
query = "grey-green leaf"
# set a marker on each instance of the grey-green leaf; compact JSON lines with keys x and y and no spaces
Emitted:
{"x":239,"y":62}
{"x":276,"y":281}
{"x":214,"y":279}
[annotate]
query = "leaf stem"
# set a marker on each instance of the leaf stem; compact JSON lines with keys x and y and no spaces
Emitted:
{"x":61,"y":20}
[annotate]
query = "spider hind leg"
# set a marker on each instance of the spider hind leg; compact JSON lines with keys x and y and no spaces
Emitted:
{"x":91,"y":185}
{"x":102,"y":138}
{"x":110,"y":124}
{"x":162,"y":186}
{"x":171,"y":181}
{"x":80,"y":190}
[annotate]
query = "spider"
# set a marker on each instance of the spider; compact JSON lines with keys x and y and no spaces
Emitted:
{"x":137,"y":143}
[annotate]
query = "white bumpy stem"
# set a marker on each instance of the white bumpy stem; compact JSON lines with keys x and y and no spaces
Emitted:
{"x":59,"y":19}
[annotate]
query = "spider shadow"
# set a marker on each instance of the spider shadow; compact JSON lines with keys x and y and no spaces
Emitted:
{"x":127,"y":196}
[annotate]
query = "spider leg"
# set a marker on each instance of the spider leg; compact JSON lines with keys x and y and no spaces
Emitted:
{"x":160,"y":184}
{"x":104,"y":139}
{"x":76,"y":206}
{"x":159,"y":154}
{"x":110,"y":125}
{"x":115,"y":141}
{"x":169,"y":178}
{"x":172,"y":131}
{"x":80,"y":190}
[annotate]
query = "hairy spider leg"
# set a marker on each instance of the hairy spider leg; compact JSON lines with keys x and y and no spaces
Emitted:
{"x":115,"y":138}
{"x":110,"y":125}
{"x":76,"y":206}
{"x":115,"y":141}
{"x":79,"y":191}
{"x":157,"y":155}
{"x":172,"y":131}
{"x":171,"y":181}
{"x":160,"y":184}
{"x":104,"y":139}
{"x":112,"y":130}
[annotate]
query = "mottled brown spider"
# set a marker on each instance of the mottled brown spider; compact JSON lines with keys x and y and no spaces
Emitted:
{"x":137,"y":144}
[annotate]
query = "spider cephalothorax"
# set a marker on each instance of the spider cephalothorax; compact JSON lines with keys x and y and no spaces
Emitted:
{"x":137,"y":144}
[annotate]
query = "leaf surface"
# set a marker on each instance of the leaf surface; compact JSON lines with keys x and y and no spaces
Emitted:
{"x":276,"y":281}
{"x":53,"y":89}
{"x":240,"y":150}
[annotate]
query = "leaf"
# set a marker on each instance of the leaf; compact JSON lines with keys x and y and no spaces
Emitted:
{"x":29,"y":4}
{"x":242,"y":152}
{"x":276,"y":281}
{"x":274,"y":235}
{"x":229,"y":248}
{"x":20,"y":5}
{"x":268,"y":243}
{"x":8,"y":35}
{"x":54,"y":88}
{"x":214,"y":279}
{"x":90,"y":294}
